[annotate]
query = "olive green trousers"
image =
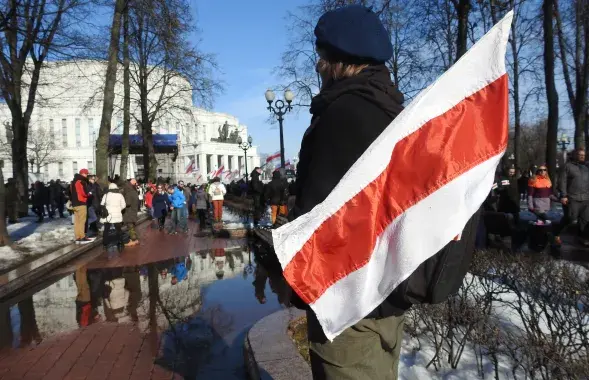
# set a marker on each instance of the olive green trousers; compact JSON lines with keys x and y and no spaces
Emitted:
{"x":368,"y":350}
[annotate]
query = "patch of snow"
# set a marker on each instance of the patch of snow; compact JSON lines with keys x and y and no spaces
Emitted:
{"x":32,"y":239}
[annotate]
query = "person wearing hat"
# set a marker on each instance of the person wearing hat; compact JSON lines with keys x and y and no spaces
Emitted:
{"x":79,"y":198}
{"x":356,"y":103}
{"x":114,"y":202}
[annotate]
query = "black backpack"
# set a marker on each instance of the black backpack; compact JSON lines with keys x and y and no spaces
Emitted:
{"x":441,"y":275}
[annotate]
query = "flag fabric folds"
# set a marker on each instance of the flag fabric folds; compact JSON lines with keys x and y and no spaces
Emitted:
{"x":407,"y":196}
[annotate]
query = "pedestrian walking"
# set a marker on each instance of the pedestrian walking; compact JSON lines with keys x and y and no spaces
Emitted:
{"x":574,"y":195}
{"x":161,"y":205}
{"x":130,"y":217}
{"x":115,"y":204}
{"x":276,"y":193}
{"x":201,"y":206}
{"x":256,"y":189}
{"x":177,"y":205}
{"x":217,"y":192}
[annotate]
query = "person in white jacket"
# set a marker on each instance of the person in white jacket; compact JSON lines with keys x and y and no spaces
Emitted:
{"x":217,"y":192}
{"x":115,"y":204}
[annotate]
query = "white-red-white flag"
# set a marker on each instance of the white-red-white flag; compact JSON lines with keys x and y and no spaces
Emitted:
{"x":407,"y":196}
{"x":272,"y":157}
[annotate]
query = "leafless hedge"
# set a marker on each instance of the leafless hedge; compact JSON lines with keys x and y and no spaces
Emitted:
{"x":527,"y":316}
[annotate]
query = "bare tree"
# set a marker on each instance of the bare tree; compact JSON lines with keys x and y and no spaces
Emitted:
{"x":522,"y":61}
{"x":551,"y":92}
{"x":41,"y":148}
{"x":109,"y":93}
{"x":573,"y":43}
{"x":166,"y":68}
{"x":127,"y":95}
{"x":29,"y":34}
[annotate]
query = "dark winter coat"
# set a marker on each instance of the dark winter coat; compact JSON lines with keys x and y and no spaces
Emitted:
{"x":96,"y":197}
{"x":79,"y":191}
{"x":276,"y":191}
{"x":132,"y":200}
{"x":348,"y":116}
{"x":57,"y":194}
{"x":509,"y":196}
{"x":256,"y":185}
{"x":160,"y":204}
{"x":574,"y":181}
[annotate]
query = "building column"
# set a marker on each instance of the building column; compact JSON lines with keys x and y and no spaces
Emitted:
{"x":202,"y":158}
{"x":225,"y":160}
{"x":234,"y":163}
{"x":213,"y":162}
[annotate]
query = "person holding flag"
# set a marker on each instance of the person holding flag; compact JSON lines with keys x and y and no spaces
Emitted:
{"x":387,"y":200}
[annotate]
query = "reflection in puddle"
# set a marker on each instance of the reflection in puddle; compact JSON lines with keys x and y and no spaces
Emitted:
{"x":198,"y":307}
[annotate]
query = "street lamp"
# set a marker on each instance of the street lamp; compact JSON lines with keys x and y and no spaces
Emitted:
{"x":564,"y":141}
{"x":280,"y":109}
{"x":245,"y":145}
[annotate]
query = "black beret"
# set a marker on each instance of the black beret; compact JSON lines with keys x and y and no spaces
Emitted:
{"x":354,"y":32}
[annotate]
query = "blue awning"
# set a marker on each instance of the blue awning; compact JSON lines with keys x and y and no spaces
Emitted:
{"x":162,"y":143}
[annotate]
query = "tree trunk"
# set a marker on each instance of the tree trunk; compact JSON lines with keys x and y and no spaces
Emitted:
{"x":516,"y":100}
{"x":149,"y":159}
{"x":4,"y":237}
{"x":127,"y":96}
{"x":20,"y":163}
{"x":109,"y":94}
{"x":551,"y":93}
{"x":462,"y":11}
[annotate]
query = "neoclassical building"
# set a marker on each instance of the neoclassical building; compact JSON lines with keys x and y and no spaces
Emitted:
{"x":68,"y":111}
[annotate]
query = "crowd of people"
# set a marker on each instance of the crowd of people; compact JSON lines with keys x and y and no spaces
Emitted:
{"x":113,"y":208}
{"x":540,"y":193}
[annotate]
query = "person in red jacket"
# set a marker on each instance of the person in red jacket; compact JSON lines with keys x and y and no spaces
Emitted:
{"x":149,"y":199}
{"x":79,"y":198}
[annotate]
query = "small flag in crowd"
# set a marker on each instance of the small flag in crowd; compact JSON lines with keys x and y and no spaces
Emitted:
{"x":273,"y":157}
{"x":407,"y":196}
{"x":190,"y":168}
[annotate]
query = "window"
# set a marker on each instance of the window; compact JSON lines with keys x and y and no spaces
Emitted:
{"x":51,"y":130}
{"x":91,"y":129}
{"x":64,"y":132}
{"x":78,"y":134}
{"x":60,"y":168}
{"x":75,"y":167}
{"x":91,"y":167}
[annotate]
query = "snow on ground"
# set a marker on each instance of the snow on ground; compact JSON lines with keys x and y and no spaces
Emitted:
{"x":32,"y":239}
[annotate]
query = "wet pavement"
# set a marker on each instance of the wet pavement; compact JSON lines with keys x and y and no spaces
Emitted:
{"x":174,"y":307}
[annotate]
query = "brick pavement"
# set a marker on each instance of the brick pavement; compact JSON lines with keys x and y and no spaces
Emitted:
{"x":100,"y":351}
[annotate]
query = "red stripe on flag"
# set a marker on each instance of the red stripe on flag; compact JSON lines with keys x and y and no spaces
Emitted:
{"x":440,"y":151}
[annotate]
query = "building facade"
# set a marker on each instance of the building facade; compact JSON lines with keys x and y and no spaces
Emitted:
{"x":66,"y":120}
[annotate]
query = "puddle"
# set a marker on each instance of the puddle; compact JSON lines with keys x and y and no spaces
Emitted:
{"x":199,"y":305}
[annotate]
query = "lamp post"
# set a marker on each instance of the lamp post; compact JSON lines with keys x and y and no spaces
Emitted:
{"x":245,"y":146}
{"x":279,"y":109}
{"x":564,"y":141}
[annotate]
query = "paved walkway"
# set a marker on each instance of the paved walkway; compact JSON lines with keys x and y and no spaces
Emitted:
{"x":100,"y":351}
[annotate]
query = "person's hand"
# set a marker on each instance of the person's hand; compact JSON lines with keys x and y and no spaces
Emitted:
{"x":171,"y":207}
{"x":564,"y":201}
